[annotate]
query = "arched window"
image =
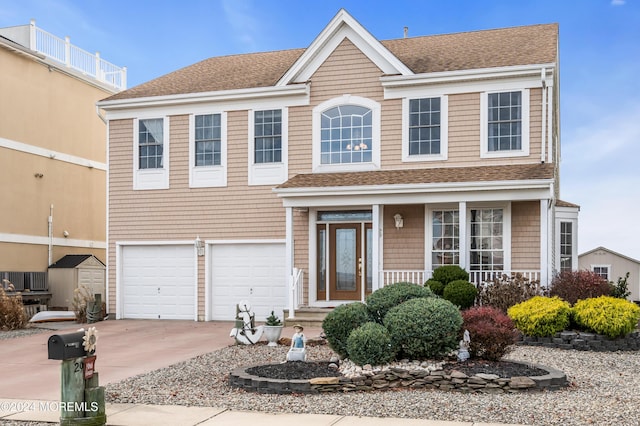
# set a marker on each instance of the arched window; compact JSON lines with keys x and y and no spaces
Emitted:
{"x":346,"y":135}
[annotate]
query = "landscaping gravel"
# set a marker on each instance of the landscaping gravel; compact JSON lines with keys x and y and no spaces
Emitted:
{"x":604,"y":390}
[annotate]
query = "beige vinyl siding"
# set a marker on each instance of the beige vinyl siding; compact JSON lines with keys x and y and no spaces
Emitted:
{"x":301,"y":248}
{"x":300,"y":140}
{"x":525,"y":236}
{"x":404,"y":247}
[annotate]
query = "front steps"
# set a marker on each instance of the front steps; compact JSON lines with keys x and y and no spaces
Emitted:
{"x":306,"y":317}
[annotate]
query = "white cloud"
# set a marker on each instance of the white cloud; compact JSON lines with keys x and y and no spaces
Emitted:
{"x":246,"y":27}
{"x":617,"y":2}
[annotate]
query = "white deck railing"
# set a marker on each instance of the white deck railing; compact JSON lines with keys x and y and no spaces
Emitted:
{"x":296,"y":291}
{"x":61,"y":50}
{"x":390,"y":276}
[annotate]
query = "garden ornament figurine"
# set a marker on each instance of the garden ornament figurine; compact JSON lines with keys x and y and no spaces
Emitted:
{"x":463,"y":352}
{"x":298,"y":350}
{"x":245,"y":331}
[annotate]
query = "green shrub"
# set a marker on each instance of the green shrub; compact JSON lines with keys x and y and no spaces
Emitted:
{"x":382,"y":300}
{"x":448,"y":273}
{"x":424,"y":328}
{"x":621,"y":288}
{"x":491,"y":331}
{"x":606,"y":315}
{"x":578,"y":285}
{"x":460,"y":293}
{"x":370,"y":344}
{"x":12,"y":314}
{"x":505,"y":291}
{"x":541,"y":316}
{"x":435,"y":286}
{"x":339,"y":323}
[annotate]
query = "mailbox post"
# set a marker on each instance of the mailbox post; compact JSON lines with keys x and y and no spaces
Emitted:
{"x":81,"y":397}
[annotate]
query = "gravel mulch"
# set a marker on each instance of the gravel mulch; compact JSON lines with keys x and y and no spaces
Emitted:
{"x":604,"y":390}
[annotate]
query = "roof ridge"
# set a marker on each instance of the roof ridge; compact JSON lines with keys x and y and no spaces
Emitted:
{"x":474,"y":31}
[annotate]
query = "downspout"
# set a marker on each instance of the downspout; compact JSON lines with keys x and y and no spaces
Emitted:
{"x":104,"y":120}
{"x":50,"y":220}
{"x":543,"y":77}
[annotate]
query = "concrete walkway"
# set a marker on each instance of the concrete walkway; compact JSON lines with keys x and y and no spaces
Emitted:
{"x":30,"y":383}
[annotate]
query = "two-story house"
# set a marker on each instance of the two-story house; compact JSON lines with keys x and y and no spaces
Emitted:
{"x":52,"y":152}
{"x":311,"y":177}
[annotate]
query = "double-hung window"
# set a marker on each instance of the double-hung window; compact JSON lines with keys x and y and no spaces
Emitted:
{"x":486,"y":240}
{"x":150,"y":152}
{"x":207,"y":150}
{"x":445,"y":236}
{"x":602,"y":270}
{"x":425,"y":131}
{"x":566,"y":246}
{"x":208,"y":140}
{"x":150,"y":143}
{"x":268,"y":146}
{"x":268,"y":136}
{"x":505,"y":123}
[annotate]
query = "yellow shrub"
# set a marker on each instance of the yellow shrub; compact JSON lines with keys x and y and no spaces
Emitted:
{"x":606,"y":315}
{"x":540,"y":316}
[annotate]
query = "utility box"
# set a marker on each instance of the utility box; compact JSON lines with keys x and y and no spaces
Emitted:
{"x":66,"y":346}
{"x":73,"y":271}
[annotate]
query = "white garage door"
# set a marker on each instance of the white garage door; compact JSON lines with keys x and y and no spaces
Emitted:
{"x":158,"y":282}
{"x":253,"y":272}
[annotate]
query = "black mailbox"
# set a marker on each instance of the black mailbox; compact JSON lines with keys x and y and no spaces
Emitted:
{"x":66,"y":346}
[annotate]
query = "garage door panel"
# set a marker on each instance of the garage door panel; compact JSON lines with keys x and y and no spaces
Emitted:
{"x":158,"y":282}
{"x":253,"y":272}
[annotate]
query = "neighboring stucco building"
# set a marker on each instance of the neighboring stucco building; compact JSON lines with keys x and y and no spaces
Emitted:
{"x":52,"y":149}
{"x":611,"y":265}
{"x":311,"y":177}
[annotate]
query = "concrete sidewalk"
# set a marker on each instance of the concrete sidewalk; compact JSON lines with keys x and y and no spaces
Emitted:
{"x":30,"y":383}
{"x":172,"y":415}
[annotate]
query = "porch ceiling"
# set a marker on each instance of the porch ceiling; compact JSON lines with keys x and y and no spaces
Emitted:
{"x":459,"y":175}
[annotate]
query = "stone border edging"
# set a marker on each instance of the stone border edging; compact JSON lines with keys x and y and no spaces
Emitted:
{"x":583,"y":341}
{"x":398,"y":378}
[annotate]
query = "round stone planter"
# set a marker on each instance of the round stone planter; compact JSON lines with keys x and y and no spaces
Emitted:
{"x":398,"y":378}
{"x":272,"y":334}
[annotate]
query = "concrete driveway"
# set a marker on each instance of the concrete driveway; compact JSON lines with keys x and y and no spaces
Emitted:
{"x":125,"y":348}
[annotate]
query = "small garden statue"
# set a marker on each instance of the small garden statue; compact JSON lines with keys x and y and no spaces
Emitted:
{"x":463,"y":352}
{"x":245,"y":331}
{"x":298,"y":350}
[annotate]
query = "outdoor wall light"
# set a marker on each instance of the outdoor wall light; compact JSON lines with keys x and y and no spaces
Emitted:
{"x":399,"y":220}
{"x":199,"y":246}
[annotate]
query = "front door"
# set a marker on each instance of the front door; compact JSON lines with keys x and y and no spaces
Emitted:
{"x":345,"y":252}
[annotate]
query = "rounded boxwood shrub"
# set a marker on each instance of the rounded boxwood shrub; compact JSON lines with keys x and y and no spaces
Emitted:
{"x":579,"y":285}
{"x":460,"y":293}
{"x":541,"y":316}
{"x":448,"y":273}
{"x":339,"y":323}
{"x":491,"y":331}
{"x":370,"y":344}
{"x":606,"y":315}
{"x":380,"y":301}
{"x":435,"y":286}
{"x":424,"y":328}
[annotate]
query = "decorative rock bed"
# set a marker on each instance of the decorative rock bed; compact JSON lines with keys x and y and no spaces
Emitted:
{"x":583,"y":341}
{"x":398,"y":378}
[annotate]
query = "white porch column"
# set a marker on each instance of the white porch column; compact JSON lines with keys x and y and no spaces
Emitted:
{"x":288,"y":261}
{"x":544,"y":242}
{"x":462,"y":216}
{"x":376,"y":228}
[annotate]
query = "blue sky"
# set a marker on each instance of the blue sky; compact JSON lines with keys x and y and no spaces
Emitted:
{"x":599,"y":67}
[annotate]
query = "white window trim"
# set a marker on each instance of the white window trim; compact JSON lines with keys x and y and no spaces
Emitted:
{"x":444,"y":131}
{"x":592,"y":268}
{"x":429,"y":231}
{"x":146,"y":179}
{"x":208,"y":176}
{"x":375,"y":108}
{"x":564,"y":214}
{"x":268,"y":173}
{"x":484,"y":127}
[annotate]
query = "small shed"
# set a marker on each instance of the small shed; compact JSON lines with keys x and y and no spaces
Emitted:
{"x":612,"y":265}
{"x":71,"y":272}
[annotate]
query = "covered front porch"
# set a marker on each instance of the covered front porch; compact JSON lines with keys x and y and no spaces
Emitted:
{"x":344,"y":242}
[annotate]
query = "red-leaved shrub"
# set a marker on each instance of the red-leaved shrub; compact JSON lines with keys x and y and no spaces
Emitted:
{"x":491,"y":331}
{"x":579,"y":285}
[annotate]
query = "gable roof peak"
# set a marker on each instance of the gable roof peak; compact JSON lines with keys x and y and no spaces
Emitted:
{"x":342,"y":25}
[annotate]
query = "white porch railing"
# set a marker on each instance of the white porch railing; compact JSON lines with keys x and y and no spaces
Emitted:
{"x":390,"y":276}
{"x":61,"y":50}
{"x":296,"y":291}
